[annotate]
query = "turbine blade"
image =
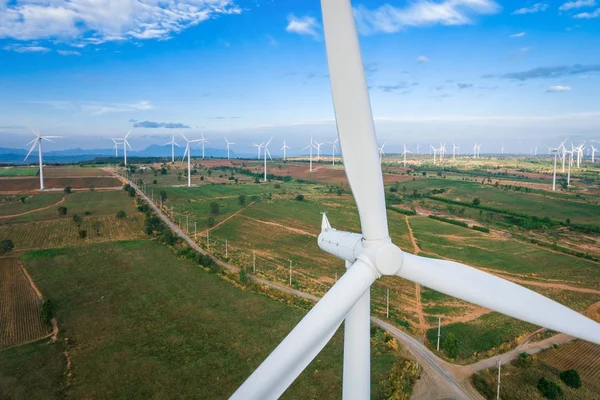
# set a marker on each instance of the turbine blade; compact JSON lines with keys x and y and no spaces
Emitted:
{"x":128,"y":145}
{"x":46,"y":138}
{"x":52,"y":137}
{"x":127,"y":135}
{"x":187,"y":148}
{"x":31,"y":149}
{"x":175,"y":143}
{"x":306,"y":340}
{"x":268,"y":153}
{"x":183,"y":136}
{"x":489,"y":291}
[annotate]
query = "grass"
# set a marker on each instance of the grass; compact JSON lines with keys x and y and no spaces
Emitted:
{"x":143,"y":323}
{"x":18,"y":171}
{"x":10,"y":205}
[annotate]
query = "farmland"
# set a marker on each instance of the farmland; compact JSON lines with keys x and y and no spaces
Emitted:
{"x":141,"y":322}
{"x":18,"y":171}
{"x":17,"y":204}
{"x":19,"y":306}
{"x":33,"y":183}
{"x":579,"y":355}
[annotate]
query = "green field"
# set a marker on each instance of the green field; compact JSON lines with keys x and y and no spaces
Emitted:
{"x":18,"y":171}
{"x":12,"y":204}
{"x":138,"y":323}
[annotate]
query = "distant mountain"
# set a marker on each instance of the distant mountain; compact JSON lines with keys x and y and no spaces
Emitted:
{"x":16,"y":156}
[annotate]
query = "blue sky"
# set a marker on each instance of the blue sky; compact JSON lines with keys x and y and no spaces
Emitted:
{"x":522,"y":73}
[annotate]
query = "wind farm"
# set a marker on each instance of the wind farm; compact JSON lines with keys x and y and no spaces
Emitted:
{"x":351,"y":254}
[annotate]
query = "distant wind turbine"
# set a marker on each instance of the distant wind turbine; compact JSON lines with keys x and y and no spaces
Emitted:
{"x":258,"y":146}
{"x":188,"y":152}
{"x":38,"y":142}
{"x":318,"y":147}
{"x":434,"y":153}
{"x":310,"y":146}
{"x":333,"y":144}
{"x":228,"y":146}
{"x":173,"y":144}
{"x":266,"y":152}
{"x":454,"y":148}
{"x":418,"y":147}
{"x":284,"y":149}
{"x":125,"y":146}
{"x":381,"y":152}
{"x":203,"y":142}
{"x":116,"y":146}
{"x":593,"y":153}
{"x":554,"y":173}
{"x":404,"y":154}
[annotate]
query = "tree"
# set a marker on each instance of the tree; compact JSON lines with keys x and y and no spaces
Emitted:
{"x":243,"y":276}
{"x":450,"y":345}
{"x":210,"y":221}
{"x":549,"y":388}
{"x":163,"y":196}
{"x":242,"y":198}
{"x":68,"y":190}
{"x":209,"y":172}
{"x":77,"y":220}
{"x":82,"y":233}
{"x":121,"y":214}
{"x":476,"y":201}
{"x":571,"y":378}
{"x":568,"y":221}
{"x":6,"y":246}
{"x":131,"y":192}
{"x":96,"y":225}
{"x":300,"y":197}
{"x":214,"y":208}
{"x":62,"y":211}
{"x":46,"y":311}
{"x":23,"y":198}
{"x":256,"y":180}
{"x":340,"y":191}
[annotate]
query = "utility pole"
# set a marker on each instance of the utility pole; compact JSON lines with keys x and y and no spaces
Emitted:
{"x":253,"y":261}
{"x":290,"y":272}
{"x":187,"y":224}
{"x":439,"y":332}
{"x":499,"y":366}
{"x":387,"y":303}
{"x":226,"y":253}
{"x":207,"y":240}
{"x":195,"y":234}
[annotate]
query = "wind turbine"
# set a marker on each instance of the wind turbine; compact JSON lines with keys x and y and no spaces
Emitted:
{"x":554,"y":173}
{"x":188,"y":152}
{"x":502,"y":149}
{"x":173,"y":144}
{"x":404,"y":154}
{"x":371,"y":254}
{"x":258,"y":146}
{"x":203,"y":142}
{"x":318,"y":147}
{"x":38,"y":142}
{"x":285,"y":146}
{"x":418,"y":147}
{"x":116,"y":147}
{"x":125,"y":146}
{"x":593,"y":153}
{"x":475,"y":150}
{"x":434,"y":153}
{"x":266,"y":151}
{"x":333,"y":144}
{"x":570,"y":163}
{"x":228,"y":145}
{"x":564,"y":154}
{"x":310,"y":146}
{"x":381,"y":153}
{"x":454,"y":148}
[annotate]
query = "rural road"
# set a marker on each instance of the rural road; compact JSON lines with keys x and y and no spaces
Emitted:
{"x":439,"y":378}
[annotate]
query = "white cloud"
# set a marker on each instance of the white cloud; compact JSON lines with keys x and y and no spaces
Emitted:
{"x":588,"y":15}
{"x":26,"y":49}
{"x":68,"y":52}
{"x":390,"y":19}
{"x":96,"y":108}
{"x":303,"y":26}
{"x":558,"y":89}
{"x":537,"y":7}
{"x":99,"y":21}
{"x":422,"y":59}
{"x":518,"y":35}
{"x":577,"y":4}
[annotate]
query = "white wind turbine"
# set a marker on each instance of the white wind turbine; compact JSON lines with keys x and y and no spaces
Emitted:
{"x":228,"y":146}
{"x":203,"y":141}
{"x":555,"y":151}
{"x":266,"y":152}
{"x":371,"y":254}
{"x":502,"y":149}
{"x":173,"y":144}
{"x":116,"y":146}
{"x":333,"y":144}
{"x":434,"y":153}
{"x":188,"y":152}
{"x":404,"y":154}
{"x":318,"y":147}
{"x":125,"y":146}
{"x":418,"y":147}
{"x":570,"y":152}
{"x":310,"y":147}
{"x":579,"y":153}
{"x":381,"y":153}
{"x":593,"y":150}
{"x":284,"y":148}
{"x":38,"y":142}
{"x":258,"y":146}
{"x":454,"y":148}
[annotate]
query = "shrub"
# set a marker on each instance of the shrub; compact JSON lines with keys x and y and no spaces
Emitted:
{"x":121,"y":214}
{"x":449,"y":221}
{"x":393,"y":189}
{"x":402,"y":211}
{"x":242,"y":198}
{"x":154,"y":181}
{"x":77,"y":219}
{"x":300,"y":197}
{"x":210,"y":221}
{"x":243,"y":276}
{"x":68,"y":190}
{"x":82,"y":234}
{"x":277,"y":186}
{"x":163,"y":196}
{"x":62,"y":211}
{"x":87,"y":213}
{"x":6,"y":246}
{"x":131,"y":192}
{"x":23,"y":198}
{"x":450,"y":345}
{"x":549,"y":388}
{"x":476,"y":201}
{"x":46,"y":311}
{"x":524,"y":360}
{"x":571,"y":378}
{"x":481,"y":229}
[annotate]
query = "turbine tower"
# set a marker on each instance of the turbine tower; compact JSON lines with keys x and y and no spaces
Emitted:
{"x":318,"y":147}
{"x":258,"y":146}
{"x":434,"y":153}
{"x":266,"y":152}
{"x":454,"y":148}
{"x":333,"y":144}
{"x":203,"y":142}
{"x":593,"y":153}
{"x":310,"y":146}
{"x":173,"y":144}
{"x":371,"y":254}
{"x":116,"y":147}
{"x":554,"y":173}
{"x":381,"y":153}
{"x":283,"y":148}
{"x":404,"y":154}
{"x":418,"y":147}
{"x":228,"y":146}
{"x":38,"y":142}
{"x":188,"y":152}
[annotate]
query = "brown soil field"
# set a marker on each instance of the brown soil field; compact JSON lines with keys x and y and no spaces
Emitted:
{"x":218,"y":163}
{"x":33,"y":183}
{"x":582,"y":356}
{"x":69,"y":172}
{"x":20,"y":320}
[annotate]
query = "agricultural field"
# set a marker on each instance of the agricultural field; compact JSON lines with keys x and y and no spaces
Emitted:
{"x":33,"y":183}
{"x":578,"y":355}
{"x":18,"y":171}
{"x":19,"y":204}
{"x":73,"y":171}
{"x":19,"y":307}
{"x":142,"y":322}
